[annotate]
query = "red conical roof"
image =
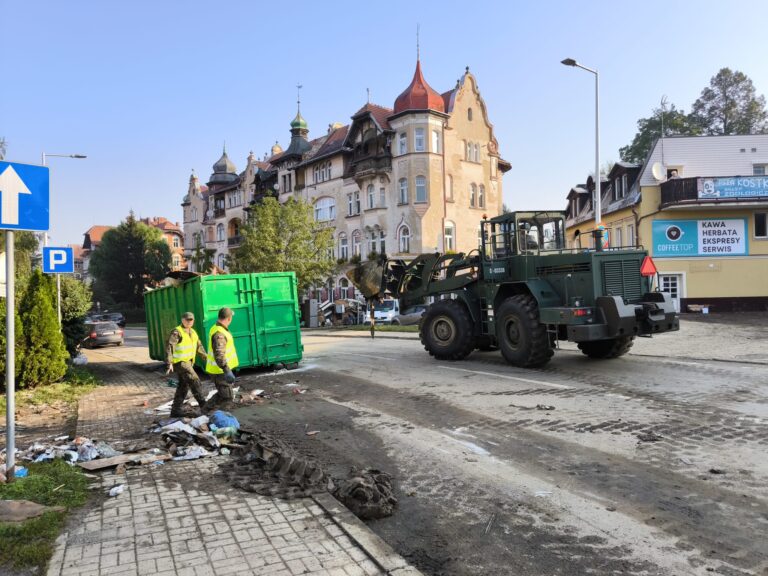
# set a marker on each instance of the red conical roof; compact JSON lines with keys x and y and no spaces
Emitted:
{"x":419,"y":95}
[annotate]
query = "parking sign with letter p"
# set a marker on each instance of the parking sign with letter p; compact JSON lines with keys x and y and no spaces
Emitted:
{"x":58,"y":260}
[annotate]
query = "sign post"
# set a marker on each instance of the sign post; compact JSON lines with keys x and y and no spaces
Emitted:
{"x":24,"y":206}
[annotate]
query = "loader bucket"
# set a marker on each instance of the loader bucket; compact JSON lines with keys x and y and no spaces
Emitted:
{"x":368,"y":277}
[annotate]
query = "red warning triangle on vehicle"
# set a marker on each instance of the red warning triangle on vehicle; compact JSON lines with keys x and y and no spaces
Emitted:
{"x":648,"y":268}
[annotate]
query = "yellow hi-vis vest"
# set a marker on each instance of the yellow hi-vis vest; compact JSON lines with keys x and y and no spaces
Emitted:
{"x":186,"y":348}
{"x":231,"y":354}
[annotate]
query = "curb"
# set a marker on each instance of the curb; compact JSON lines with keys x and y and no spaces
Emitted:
{"x":379,"y":551}
{"x":363,"y":334}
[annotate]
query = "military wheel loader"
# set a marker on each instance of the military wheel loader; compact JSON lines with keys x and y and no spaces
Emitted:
{"x":522,"y":291}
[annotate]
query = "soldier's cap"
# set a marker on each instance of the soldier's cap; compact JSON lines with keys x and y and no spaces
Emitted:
{"x":187,"y":316}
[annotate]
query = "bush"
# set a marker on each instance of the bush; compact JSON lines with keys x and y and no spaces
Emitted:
{"x":373,"y":255}
{"x":45,"y":356}
{"x":355,"y":259}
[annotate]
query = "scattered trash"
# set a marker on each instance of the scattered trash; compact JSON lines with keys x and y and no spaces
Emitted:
{"x":542,"y":493}
{"x":199,"y":421}
{"x":87,"y":452}
{"x":157,"y":463}
{"x":61,"y":438}
{"x":192,"y":453}
{"x":312,"y":432}
{"x":544,"y":407}
{"x":224,"y":451}
{"x":227,"y":432}
{"x":179,"y":426}
{"x":116,"y":490}
{"x":298,"y":391}
{"x":80,"y":360}
{"x":716,"y":471}
{"x":255,"y":393}
{"x":649,"y":436}
{"x":367,"y":493}
{"x":20,"y":472}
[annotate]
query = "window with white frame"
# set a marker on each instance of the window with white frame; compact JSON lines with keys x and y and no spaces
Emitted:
{"x":176,"y":242}
{"x":404,"y":239}
{"x":472,"y":195}
{"x":758,"y":170}
{"x":176,"y":261}
{"x":222,"y":261}
{"x":630,"y":235}
{"x":403,"y":189}
{"x":382,"y":242}
{"x":353,"y":203}
{"x":481,"y":196}
{"x":370,"y":238}
{"x":617,"y":239}
{"x":437,"y":146}
{"x":402,"y":143}
{"x":382,"y":197}
{"x":421,"y":189}
{"x":220,"y":232}
{"x":343,"y":246}
{"x":356,"y":243}
{"x":450,"y":236}
{"x":761,"y":224}
{"x":371,"y":196}
{"x":357,"y":201}
{"x":325,"y":209}
{"x":418,"y":140}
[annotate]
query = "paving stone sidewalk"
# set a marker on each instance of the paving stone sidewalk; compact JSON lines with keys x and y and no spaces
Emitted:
{"x":180,"y":518}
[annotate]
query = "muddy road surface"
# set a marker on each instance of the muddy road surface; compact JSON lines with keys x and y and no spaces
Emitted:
{"x":641,"y":465}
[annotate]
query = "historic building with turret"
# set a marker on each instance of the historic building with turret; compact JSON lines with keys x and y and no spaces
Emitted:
{"x":414,"y":178}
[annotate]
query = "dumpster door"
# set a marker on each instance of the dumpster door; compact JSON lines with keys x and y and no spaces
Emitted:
{"x":234,"y":291}
{"x":275,"y":308}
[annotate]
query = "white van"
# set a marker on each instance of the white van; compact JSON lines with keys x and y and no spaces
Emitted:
{"x":384,"y":312}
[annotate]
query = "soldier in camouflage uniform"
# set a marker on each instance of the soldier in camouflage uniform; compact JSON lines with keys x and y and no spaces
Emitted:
{"x":222,"y":359}
{"x":182,"y":347}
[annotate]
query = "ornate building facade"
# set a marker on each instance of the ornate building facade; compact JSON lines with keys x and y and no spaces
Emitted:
{"x":414,"y":178}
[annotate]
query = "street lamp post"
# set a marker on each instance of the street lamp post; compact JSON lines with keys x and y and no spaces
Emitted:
{"x":598,"y":191}
{"x":43,"y":156}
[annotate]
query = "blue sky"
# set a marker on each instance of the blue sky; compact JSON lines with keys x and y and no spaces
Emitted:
{"x":149,"y":90}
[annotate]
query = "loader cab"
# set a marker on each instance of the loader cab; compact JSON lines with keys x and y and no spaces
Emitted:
{"x":522,"y":233}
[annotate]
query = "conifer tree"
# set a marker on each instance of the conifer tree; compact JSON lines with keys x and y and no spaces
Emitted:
{"x":44,"y":353}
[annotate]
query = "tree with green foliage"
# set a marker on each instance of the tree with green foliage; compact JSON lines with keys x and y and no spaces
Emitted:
{"x":75,"y":303}
{"x":285,"y":237}
{"x":675,"y":122}
{"x":729,"y":105}
{"x":45,"y":356}
{"x":202,"y":257}
{"x":130,"y":258}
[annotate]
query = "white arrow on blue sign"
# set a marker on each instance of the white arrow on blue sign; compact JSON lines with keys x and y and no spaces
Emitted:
{"x":58,"y":260}
{"x":25,"y":197}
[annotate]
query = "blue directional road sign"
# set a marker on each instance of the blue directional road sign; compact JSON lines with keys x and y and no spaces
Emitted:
{"x":25,"y":197}
{"x":58,"y":260}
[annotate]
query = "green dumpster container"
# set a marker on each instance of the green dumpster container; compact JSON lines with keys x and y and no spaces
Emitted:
{"x":266,"y":321}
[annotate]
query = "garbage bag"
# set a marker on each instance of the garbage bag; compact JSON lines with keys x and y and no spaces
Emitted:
{"x":223,"y":419}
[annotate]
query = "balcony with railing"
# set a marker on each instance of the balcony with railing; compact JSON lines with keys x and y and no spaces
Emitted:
{"x":233,"y":241}
{"x":680,"y":192}
{"x":219,"y":212}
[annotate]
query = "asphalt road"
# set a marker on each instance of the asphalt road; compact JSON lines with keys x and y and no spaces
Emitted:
{"x":646,"y":465}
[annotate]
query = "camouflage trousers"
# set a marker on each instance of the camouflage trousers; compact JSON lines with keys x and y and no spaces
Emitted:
{"x":188,"y":381}
{"x":224,"y":394}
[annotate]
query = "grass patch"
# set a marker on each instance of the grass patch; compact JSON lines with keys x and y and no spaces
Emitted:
{"x":77,"y":382}
{"x":383,"y":328}
{"x":30,"y":543}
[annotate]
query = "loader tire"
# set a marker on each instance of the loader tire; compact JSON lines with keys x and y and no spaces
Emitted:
{"x":446,"y":330}
{"x":523,"y":340}
{"x":605,"y":349}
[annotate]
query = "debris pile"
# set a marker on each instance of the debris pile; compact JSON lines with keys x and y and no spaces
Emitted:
{"x":190,"y":439}
{"x":367,"y":493}
{"x":271,"y":468}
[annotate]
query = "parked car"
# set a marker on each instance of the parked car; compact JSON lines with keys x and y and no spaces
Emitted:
{"x":410,"y":316}
{"x":103,"y":334}
{"x":115,"y":317}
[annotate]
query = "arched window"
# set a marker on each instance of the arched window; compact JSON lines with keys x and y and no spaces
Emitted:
{"x":220,"y":232}
{"x":403,"y":198}
{"x":325,"y":209}
{"x":356,"y":243}
{"x":176,"y":242}
{"x":472,"y":195}
{"x":481,"y":196}
{"x":469,"y":114}
{"x":450,"y":236}
{"x":222,"y":259}
{"x":371,"y":196}
{"x":421,"y":189}
{"x":343,"y":246}
{"x":234,"y":227}
{"x":404,"y":239}
{"x":194,"y":214}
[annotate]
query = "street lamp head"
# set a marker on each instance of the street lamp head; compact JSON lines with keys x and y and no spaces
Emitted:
{"x":78,"y":156}
{"x":569,"y":62}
